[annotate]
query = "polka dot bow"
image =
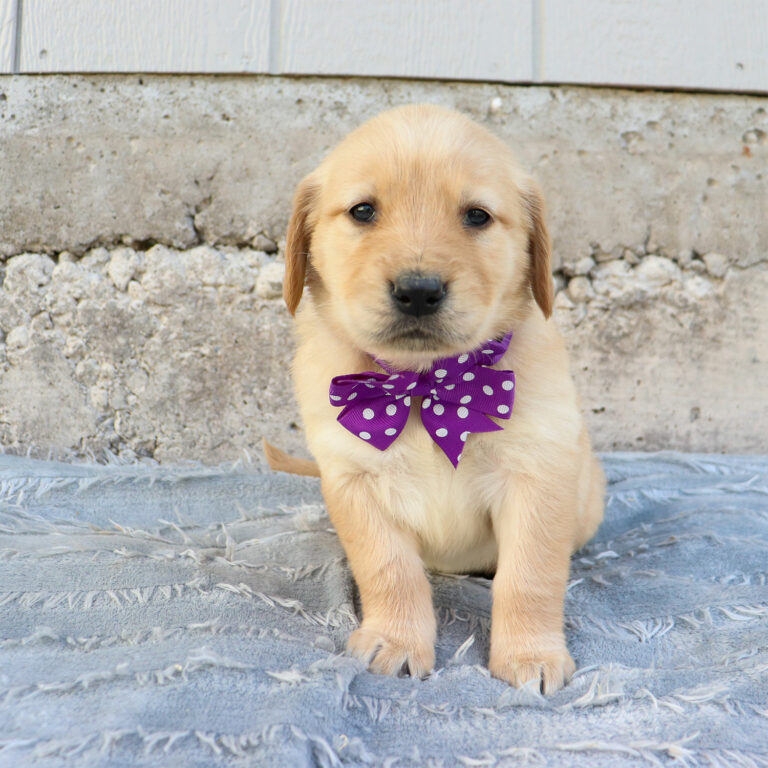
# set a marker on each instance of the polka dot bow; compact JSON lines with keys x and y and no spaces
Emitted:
{"x":459,"y":393}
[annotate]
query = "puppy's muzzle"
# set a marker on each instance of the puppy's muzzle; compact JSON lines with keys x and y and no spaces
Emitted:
{"x":418,"y":295}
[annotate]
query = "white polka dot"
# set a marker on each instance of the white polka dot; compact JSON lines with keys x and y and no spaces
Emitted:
{"x":468,"y":376}
{"x":449,"y":387}
{"x":394,"y":376}
{"x":488,"y":390}
{"x":365,"y":435}
{"x":441,"y":373}
{"x":463,"y":358}
{"x":335,"y":397}
{"x":438,"y":409}
{"x":411,"y":385}
{"x":432,"y":391}
{"x":508,"y":385}
{"x":391,"y":409}
{"x":462,"y":412}
{"x":487,"y":351}
{"x":426,"y":402}
{"x":464,"y":436}
{"x":391,"y":431}
{"x":388,"y":386}
{"x":370,"y":386}
{"x":407,"y":400}
{"x":503,"y":409}
{"x":442,"y":432}
{"x":466,"y":399}
{"x":352,"y":396}
{"x":368,"y":414}
{"x":458,"y":458}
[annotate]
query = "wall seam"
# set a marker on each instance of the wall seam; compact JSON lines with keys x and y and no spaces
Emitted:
{"x":16,"y":55}
{"x":275,"y":43}
{"x":537,"y":48}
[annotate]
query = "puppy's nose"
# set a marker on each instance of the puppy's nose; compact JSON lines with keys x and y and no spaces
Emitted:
{"x":418,"y":294}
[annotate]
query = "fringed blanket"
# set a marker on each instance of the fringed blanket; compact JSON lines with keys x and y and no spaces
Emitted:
{"x":156,"y":616}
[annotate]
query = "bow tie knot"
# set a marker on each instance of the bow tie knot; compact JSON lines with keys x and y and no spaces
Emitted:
{"x":458,"y":394}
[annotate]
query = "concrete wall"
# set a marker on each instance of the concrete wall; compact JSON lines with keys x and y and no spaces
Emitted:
{"x":141,"y":222}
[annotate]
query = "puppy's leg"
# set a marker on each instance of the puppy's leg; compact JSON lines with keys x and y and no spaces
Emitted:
{"x":399,"y":627}
{"x":591,"y":492}
{"x":534,"y":529}
{"x":591,"y":512}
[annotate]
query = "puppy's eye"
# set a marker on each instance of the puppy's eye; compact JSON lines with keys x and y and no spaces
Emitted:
{"x":363,"y":212}
{"x":476,"y":217}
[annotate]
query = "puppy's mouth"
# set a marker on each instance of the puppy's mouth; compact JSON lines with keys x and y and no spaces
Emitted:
{"x":415,"y":339}
{"x":422,"y":335}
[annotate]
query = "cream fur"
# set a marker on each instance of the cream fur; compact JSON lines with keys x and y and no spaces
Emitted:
{"x":522,"y":499}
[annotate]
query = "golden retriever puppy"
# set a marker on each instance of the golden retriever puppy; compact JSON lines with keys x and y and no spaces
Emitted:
{"x":419,"y":246}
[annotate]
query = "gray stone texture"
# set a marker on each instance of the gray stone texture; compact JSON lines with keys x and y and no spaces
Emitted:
{"x":141,"y":226}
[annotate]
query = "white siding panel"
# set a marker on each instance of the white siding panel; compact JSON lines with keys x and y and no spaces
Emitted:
{"x":715,"y":44}
{"x":480,"y":40}
{"x":7,"y":35}
{"x":145,"y":36}
{"x":706,"y":44}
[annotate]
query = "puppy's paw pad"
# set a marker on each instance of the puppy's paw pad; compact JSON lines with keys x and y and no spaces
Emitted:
{"x":552,"y":669}
{"x":387,"y":655}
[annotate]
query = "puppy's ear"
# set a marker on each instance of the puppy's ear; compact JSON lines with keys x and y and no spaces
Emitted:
{"x":539,"y":249}
{"x":298,"y":241}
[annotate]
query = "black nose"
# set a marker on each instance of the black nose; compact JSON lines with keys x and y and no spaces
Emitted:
{"x":418,"y":295}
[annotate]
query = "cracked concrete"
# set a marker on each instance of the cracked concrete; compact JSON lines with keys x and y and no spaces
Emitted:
{"x":141,"y":225}
{"x":162,"y":353}
{"x":668,"y":351}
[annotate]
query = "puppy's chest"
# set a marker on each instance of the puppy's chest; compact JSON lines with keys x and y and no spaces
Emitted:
{"x":448,"y":509}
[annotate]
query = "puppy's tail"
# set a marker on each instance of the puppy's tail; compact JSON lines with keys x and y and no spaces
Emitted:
{"x":281,"y":461}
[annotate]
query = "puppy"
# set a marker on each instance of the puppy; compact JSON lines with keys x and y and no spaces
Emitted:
{"x":416,"y":246}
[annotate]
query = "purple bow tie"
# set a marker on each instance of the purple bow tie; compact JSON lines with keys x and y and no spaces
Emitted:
{"x":457,"y":391}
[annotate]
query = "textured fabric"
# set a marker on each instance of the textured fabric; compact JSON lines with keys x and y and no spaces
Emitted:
{"x":196,"y":617}
{"x":457,"y":392}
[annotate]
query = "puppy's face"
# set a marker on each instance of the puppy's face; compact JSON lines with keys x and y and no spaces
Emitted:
{"x":420,"y":238}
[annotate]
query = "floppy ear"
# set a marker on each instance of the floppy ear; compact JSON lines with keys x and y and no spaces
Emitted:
{"x":298,"y":241}
{"x":539,"y":250}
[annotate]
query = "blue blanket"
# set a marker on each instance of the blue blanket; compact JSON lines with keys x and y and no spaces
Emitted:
{"x":191,"y":616}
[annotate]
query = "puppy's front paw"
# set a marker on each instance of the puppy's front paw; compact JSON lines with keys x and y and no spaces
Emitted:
{"x":387,"y":654}
{"x":552,"y":669}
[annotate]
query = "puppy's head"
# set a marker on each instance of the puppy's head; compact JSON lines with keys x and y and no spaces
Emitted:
{"x":419,"y":238}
